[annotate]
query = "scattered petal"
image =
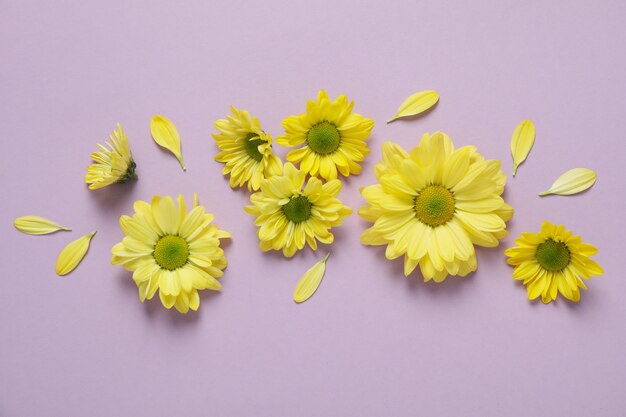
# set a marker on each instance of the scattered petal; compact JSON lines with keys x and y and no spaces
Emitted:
{"x":72,"y":254}
{"x":35,"y":225}
{"x":522,"y":142}
{"x":310,"y":281}
{"x":166,"y":135}
{"x":416,"y":103}
{"x":572,"y":182}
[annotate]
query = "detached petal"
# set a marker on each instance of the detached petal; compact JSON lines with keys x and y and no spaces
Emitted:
{"x":416,"y":103}
{"x":72,"y":254}
{"x":522,"y":142}
{"x":34,"y":225}
{"x":310,"y":281}
{"x":572,"y":182}
{"x":166,"y":135}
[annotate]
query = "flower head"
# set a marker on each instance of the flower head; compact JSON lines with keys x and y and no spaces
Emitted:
{"x":171,"y":250}
{"x":333,"y":137}
{"x":113,"y":163}
{"x":434,"y":204}
{"x":553,"y":261}
{"x":289,"y":216}
{"x":245,"y":149}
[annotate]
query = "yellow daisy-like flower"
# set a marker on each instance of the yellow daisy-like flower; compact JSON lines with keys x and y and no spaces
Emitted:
{"x":113,"y":163}
{"x":171,"y":250}
{"x":246,"y":150}
{"x":334,"y":137}
{"x":289,"y":216}
{"x":434,"y":204}
{"x":553,"y":261}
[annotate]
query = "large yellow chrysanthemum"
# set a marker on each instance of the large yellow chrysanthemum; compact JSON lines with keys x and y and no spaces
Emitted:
{"x":172,"y":250}
{"x":553,"y":261}
{"x":289,"y":216}
{"x":334,"y":137}
{"x":113,"y":165}
{"x":245,"y":149}
{"x":434,"y":204}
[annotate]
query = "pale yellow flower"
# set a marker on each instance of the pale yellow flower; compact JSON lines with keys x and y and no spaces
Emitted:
{"x":171,"y":250}
{"x":290,"y":216}
{"x":434,"y":204}
{"x":334,"y":138}
{"x":553,"y":261}
{"x":246,"y":150}
{"x":113,"y":163}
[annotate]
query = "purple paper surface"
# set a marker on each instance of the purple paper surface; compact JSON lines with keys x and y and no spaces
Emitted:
{"x":370,"y":342}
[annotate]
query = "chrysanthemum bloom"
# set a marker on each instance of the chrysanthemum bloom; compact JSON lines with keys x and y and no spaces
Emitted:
{"x":171,"y":250}
{"x":433,"y":205}
{"x":289,"y":216}
{"x":553,"y":261}
{"x":246,"y":150}
{"x":113,"y":165}
{"x":334,"y":138}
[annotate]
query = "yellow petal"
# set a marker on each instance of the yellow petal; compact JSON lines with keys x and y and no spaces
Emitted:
{"x":72,"y":254}
{"x":310,"y":281}
{"x":522,"y":142}
{"x":166,"y":135}
{"x":572,"y":182}
{"x":416,"y":103}
{"x":34,"y":225}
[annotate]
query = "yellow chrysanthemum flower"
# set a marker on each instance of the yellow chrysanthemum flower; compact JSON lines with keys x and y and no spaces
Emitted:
{"x":113,"y":165}
{"x":289,"y":216}
{"x":334,"y":137}
{"x":171,"y":250}
{"x":553,"y":261}
{"x":434,"y":204}
{"x":246,"y":150}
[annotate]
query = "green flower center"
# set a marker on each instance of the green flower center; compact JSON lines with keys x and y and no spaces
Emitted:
{"x":553,"y":255}
{"x":298,"y":209}
{"x":130,"y":173}
{"x":251,"y":144}
{"x":323,"y":138}
{"x":434,"y":205}
{"x":171,"y":252}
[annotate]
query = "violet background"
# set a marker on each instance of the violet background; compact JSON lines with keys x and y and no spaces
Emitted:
{"x":370,"y":342}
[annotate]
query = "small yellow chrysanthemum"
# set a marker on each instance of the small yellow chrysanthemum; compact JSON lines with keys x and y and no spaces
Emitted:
{"x":334,"y":137}
{"x":434,"y":204}
{"x":113,"y":165}
{"x":553,"y":261}
{"x":171,"y":250}
{"x":246,"y":150}
{"x":289,"y":216}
